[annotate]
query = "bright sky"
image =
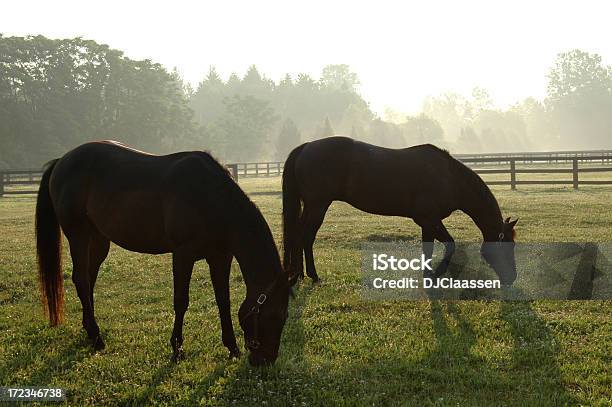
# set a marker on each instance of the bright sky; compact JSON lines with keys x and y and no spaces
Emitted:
{"x":402,"y":50}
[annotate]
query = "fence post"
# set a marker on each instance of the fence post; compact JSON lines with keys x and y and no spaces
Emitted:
{"x":575,"y":172}
{"x":234,"y":171}
{"x":1,"y":184}
{"x":513,"y":174}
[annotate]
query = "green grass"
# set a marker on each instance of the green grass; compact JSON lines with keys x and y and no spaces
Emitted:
{"x":337,"y":349}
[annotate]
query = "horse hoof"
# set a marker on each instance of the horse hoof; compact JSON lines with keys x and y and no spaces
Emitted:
{"x":177,"y":356}
{"x":98,"y":343}
{"x":316,"y":281}
{"x":235,"y":354}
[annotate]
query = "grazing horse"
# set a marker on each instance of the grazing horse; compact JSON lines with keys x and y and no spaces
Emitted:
{"x":422,"y":182}
{"x":185,"y":204}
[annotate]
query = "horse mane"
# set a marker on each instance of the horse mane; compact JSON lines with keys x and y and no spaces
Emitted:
{"x":216,"y":164}
{"x":481,"y":190}
{"x":249,"y":215}
{"x":475,"y":184}
{"x":435,"y":147}
{"x":472,"y":181}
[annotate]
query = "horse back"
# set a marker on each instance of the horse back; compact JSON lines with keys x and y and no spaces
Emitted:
{"x":396,"y":182}
{"x":142,"y":202}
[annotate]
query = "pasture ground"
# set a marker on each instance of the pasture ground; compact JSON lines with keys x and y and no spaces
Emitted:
{"x":337,"y":349}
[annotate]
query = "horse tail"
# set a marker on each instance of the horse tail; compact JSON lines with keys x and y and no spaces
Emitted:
{"x":49,"y":250}
{"x":292,"y":209}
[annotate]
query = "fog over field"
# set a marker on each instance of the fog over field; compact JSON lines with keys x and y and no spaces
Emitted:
{"x":176,"y":270}
{"x":250,"y":81}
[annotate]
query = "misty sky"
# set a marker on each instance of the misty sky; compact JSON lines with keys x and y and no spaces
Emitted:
{"x":402,"y":51}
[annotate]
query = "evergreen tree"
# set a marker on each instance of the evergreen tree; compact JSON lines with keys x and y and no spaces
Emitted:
{"x":243,"y":131}
{"x":233,"y":85}
{"x":207,"y":101}
{"x":288,"y":138}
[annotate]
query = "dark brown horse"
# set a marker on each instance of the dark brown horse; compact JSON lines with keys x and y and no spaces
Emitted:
{"x":185,"y":204}
{"x":423,"y":183}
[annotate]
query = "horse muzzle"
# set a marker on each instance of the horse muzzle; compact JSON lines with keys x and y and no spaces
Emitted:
{"x":259,"y":357}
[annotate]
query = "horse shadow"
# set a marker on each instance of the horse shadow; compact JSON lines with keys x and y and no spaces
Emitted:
{"x":233,"y":382}
{"x":461,"y":372}
{"x":534,"y":347}
{"x":454,"y":371}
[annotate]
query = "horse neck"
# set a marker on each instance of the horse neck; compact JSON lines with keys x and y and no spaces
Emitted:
{"x":255,"y":251}
{"x":479,"y":203}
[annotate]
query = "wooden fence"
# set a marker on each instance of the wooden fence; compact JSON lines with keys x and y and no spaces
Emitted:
{"x":542,"y":165}
{"x":551,"y":156}
{"x":14,"y":182}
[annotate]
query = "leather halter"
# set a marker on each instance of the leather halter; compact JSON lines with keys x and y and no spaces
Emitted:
{"x":253,"y":343}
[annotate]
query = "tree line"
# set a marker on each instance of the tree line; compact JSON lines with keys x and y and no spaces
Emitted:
{"x":56,"y":94}
{"x":575,"y":114}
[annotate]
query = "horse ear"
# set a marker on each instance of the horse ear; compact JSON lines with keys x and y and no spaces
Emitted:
{"x":513,"y":223}
{"x":507,"y":220}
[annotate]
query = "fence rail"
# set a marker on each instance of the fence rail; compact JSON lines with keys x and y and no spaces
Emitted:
{"x":576,"y":162}
{"x":18,"y":178}
{"x":550,"y":155}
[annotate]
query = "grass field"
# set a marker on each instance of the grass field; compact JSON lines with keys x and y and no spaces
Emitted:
{"x":337,"y":349}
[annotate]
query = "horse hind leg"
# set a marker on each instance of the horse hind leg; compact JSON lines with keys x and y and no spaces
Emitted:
{"x":98,"y":250}
{"x":312,"y":219}
{"x":79,"y":250}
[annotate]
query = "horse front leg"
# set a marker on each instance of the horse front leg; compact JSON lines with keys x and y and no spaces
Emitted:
{"x":427,"y":240}
{"x":220,"y":267}
{"x":442,"y":235}
{"x":182,"y":266}
{"x":437,"y":230}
